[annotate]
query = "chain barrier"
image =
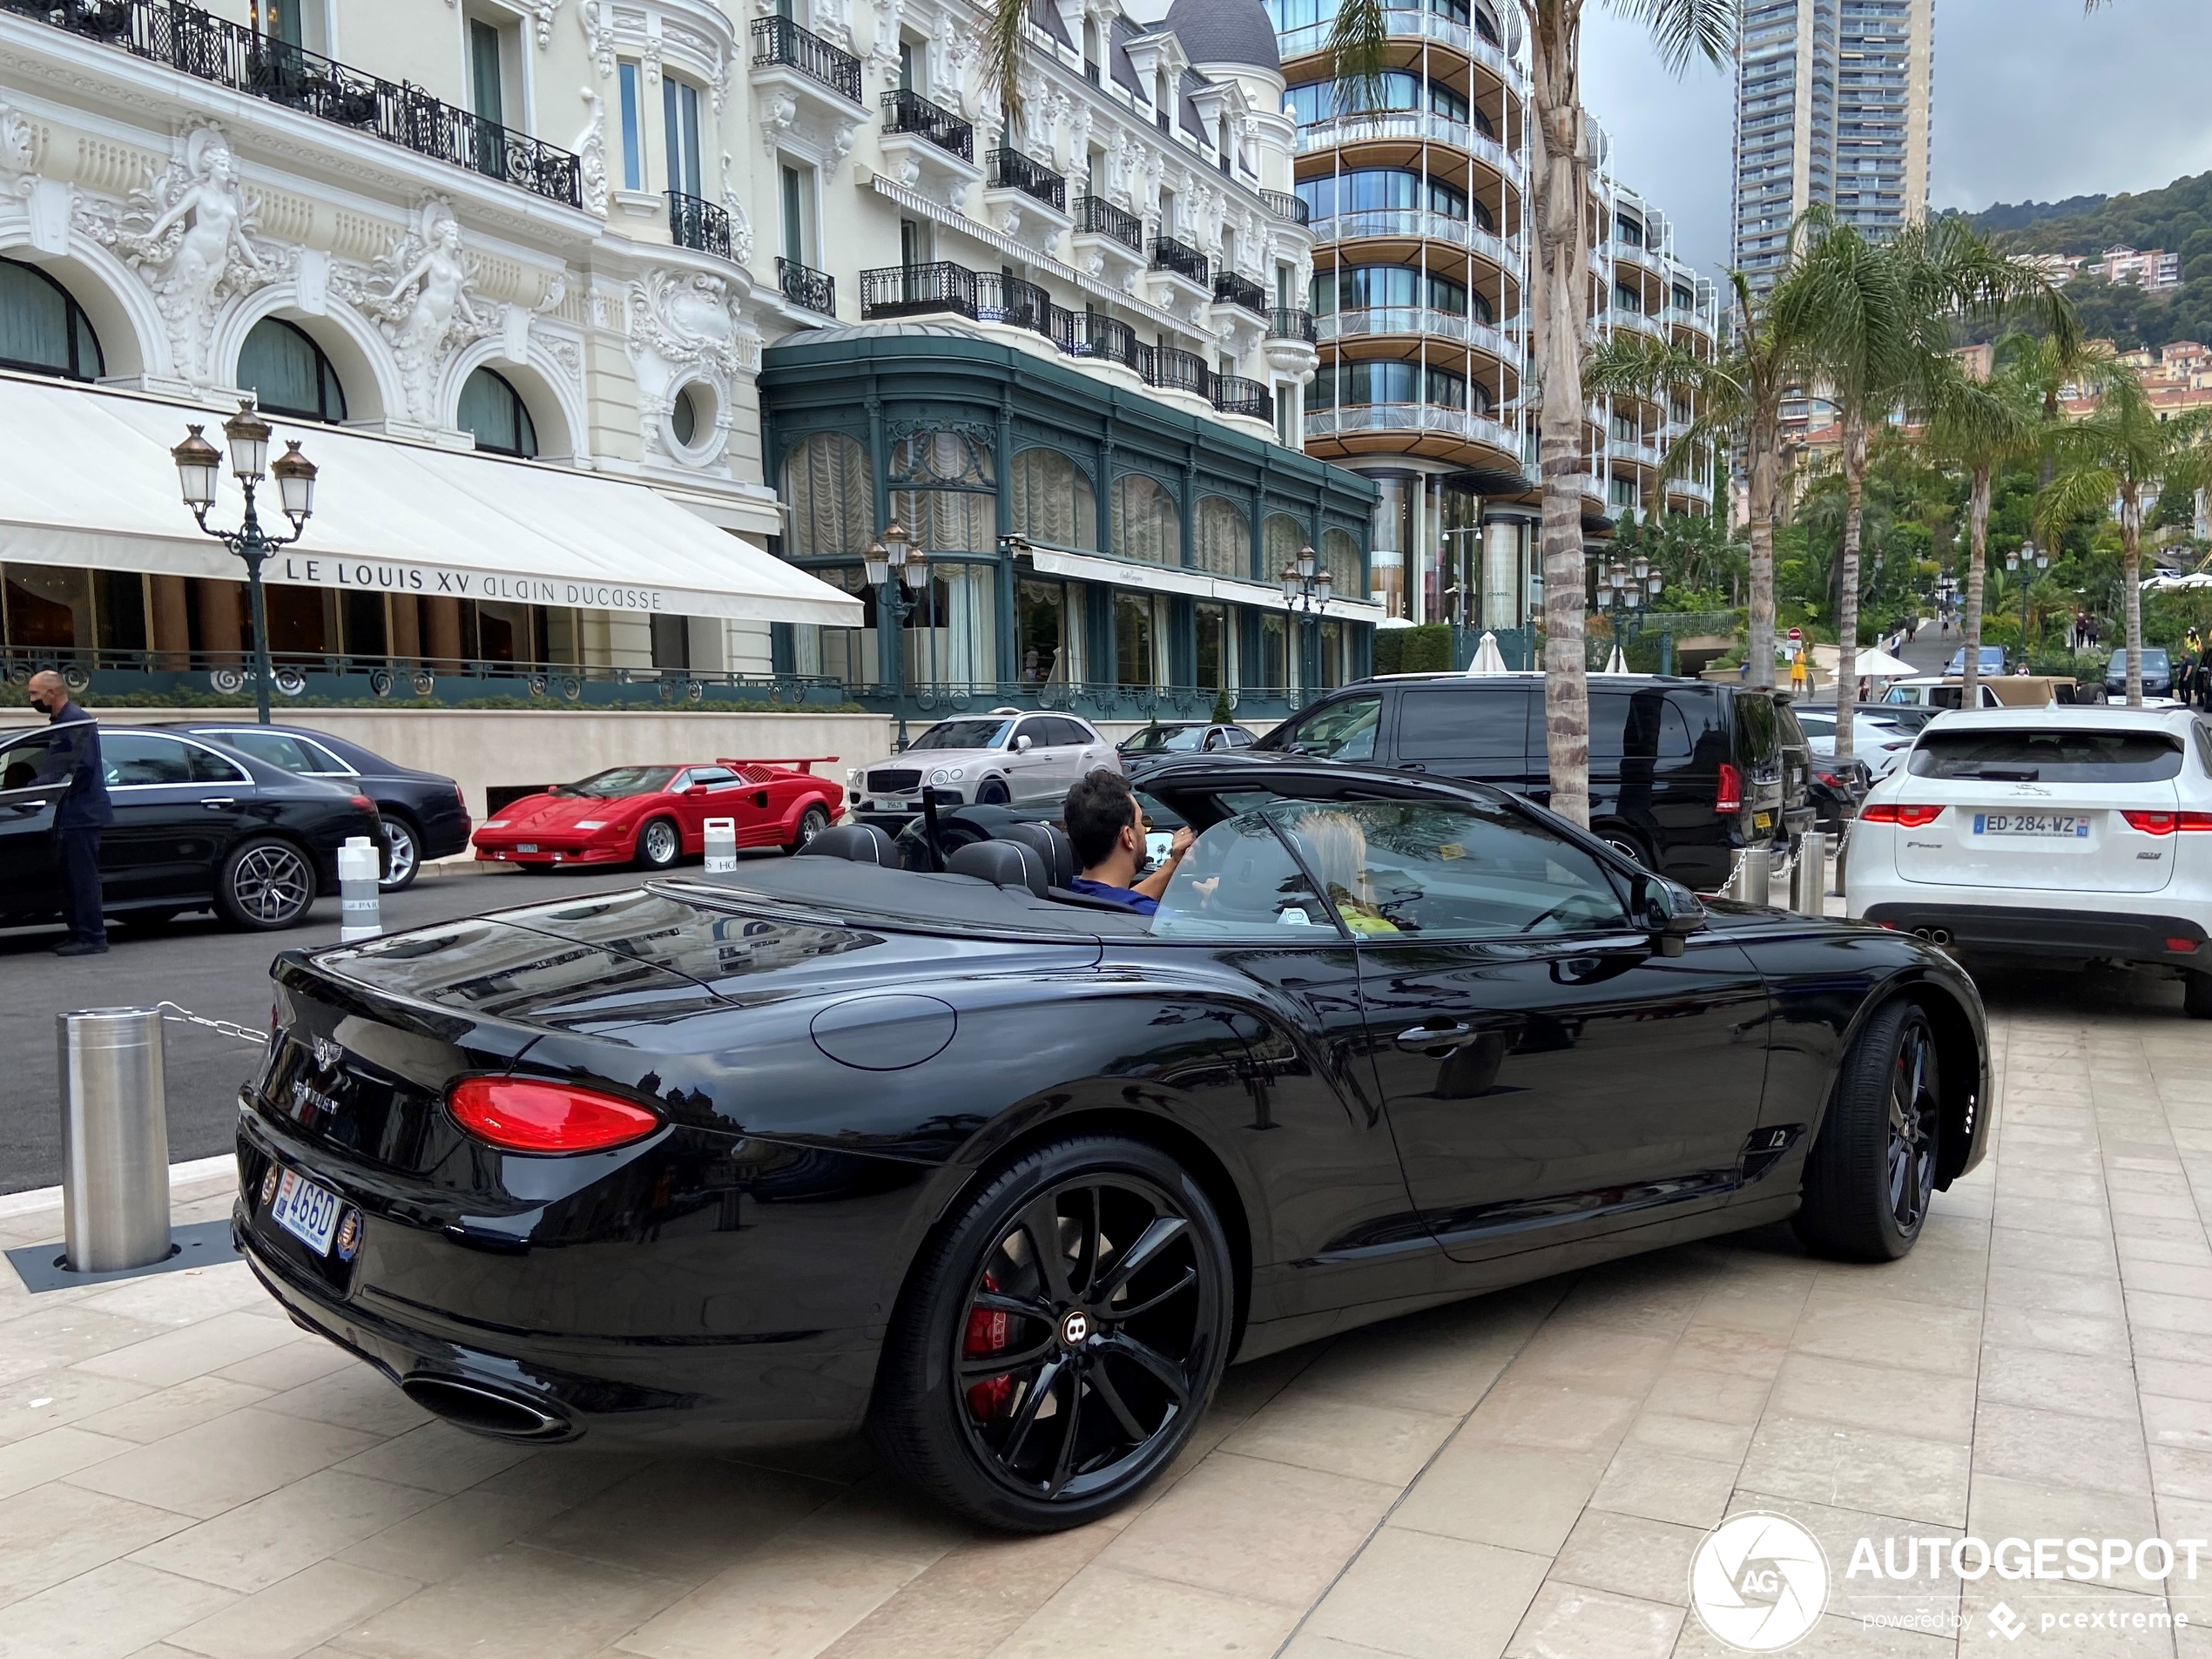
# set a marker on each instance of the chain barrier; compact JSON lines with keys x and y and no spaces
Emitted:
{"x":176,"y":1015}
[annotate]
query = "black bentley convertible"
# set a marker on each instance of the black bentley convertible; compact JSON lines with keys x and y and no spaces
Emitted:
{"x":1009,"y":1176}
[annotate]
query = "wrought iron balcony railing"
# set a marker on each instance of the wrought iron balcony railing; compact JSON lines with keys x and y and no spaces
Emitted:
{"x":907,"y":112}
{"x":1095,"y":216}
{"x":806,"y":288}
{"x":1167,"y":254}
{"x":698,"y":225}
{"x":1284,"y":323}
{"x":1234,"y":288}
{"x":1011,"y":170}
{"x":1180,"y":371}
{"x":907,"y":290}
{"x":1235,"y":396}
{"x":780,"y":41}
{"x":1283,"y":205}
{"x":229,"y":55}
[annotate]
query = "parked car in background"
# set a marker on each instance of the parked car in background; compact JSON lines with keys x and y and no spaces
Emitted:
{"x":1934,"y":691}
{"x":1993,"y":660}
{"x":652,"y":816}
{"x":2158,"y":673}
{"x":1683,"y":774}
{"x":425,"y":814}
{"x":1186,"y":737}
{"x":1880,"y":743}
{"x":1006,"y":758}
{"x":199,"y":825}
{"x":2054,"y":835}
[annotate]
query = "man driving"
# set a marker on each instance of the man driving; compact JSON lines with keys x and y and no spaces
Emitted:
{"x":1104,"y":826}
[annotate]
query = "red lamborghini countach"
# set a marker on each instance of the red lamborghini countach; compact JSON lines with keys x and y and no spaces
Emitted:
{"x":652,"y":816}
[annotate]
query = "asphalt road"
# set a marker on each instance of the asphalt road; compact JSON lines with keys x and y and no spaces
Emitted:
{"x":201,"y":965}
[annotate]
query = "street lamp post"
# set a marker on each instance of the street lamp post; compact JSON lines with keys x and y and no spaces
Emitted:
{"x":198,"y":466}
{"x":1627,"y":586}
{"x":1307,"y":588}
{"x":2026,"y":559}
{"x":893,"y":564}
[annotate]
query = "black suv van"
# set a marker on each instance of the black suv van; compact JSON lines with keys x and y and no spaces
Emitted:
{"x":1684,"y":773}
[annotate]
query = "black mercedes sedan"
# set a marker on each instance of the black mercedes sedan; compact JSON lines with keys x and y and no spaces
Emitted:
{"x":425,"y":814}
{"x":197,"y":826}
{"x":1009,"y":1175}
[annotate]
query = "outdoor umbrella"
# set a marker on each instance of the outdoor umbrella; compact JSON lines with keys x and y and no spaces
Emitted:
{"x":1618,"y":665}
{"x":1486,"y":659}
{"x":1880,"y":665}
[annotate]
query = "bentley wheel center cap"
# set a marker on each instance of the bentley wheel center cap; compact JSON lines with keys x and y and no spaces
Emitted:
{"x":1075,"y":1330}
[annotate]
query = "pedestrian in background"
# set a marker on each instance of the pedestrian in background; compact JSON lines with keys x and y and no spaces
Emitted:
{"x":72,"y":763}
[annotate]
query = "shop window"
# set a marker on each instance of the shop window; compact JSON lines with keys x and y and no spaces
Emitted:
{"x":1274,"y":652}
{"x":42,"y":331}
{"x":830,"y":493}
{"x":1214,"y":658}
{"x":289,"y":375}
{"x":1137,"y":634}
{"x":950,"y":637}
{"x":1339,"y":557}
{"x":1051,"y":500}
{"x":1048,"y":633}
{"x":1224,"y":538}
{"x":493,"y":410}
{"x":1147,"y":521}
{"x":47,"y":606}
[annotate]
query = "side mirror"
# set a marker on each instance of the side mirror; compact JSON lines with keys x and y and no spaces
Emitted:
{"x":1672,"y":913}
{"x":1021,"y":744}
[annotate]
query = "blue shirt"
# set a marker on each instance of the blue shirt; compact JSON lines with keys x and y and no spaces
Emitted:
{"x":1128,"y":896}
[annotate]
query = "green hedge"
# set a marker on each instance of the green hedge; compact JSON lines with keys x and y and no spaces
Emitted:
{"x":1414,"y":651}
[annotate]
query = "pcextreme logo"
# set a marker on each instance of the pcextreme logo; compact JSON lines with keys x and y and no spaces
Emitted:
{"x":1758,"y":1581}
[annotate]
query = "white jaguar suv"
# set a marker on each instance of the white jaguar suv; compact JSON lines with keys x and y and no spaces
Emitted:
{"x":2058,"y":834}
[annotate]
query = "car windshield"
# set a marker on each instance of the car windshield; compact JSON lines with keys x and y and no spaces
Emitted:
{"x":618,"y":781}
{"x":1343,"y":730}
{"x":1992,"y":657}
{"x":1159,"y":739}
{"x":2154,"y":661}
{"x":2071,"y":756}
{"x":961,"y":734}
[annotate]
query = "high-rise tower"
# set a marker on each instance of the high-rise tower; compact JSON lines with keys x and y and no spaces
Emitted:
{"x":1832,"y":107}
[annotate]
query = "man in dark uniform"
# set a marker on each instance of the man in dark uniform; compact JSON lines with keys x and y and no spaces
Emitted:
{"x":73,"y":761}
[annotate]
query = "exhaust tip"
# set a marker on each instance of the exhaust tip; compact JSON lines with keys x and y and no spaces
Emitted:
{"x":484,"y":1411}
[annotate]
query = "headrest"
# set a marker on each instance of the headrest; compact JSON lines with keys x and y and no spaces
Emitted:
{"x":1050,"y":841}
{"x":862,"y":843}
{"x":1005,"y":864}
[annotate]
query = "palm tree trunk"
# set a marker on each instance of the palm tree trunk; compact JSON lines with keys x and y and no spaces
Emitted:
{"x":1761,"y":463}
{"x":2131,"y":544}
{"x":1977,"y":555}
{"x":1560,"y":310}
{"x":1847,"y":600}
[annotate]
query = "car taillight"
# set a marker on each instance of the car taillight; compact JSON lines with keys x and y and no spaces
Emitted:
{"x":1730,"y":798}
{"x":1905,"y":817}
{"x":362,"y":803}
{"x":2166,"y":823}
{"x":521,"y":1116}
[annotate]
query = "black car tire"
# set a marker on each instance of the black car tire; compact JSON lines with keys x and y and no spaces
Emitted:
{"x":1628,"y":844}
{"x":2196,"y":994}
{"x":1128,"y":1364}
{"x":403,"y":854}
{"x":267,"y":883}
{"x":992,"y":793}
{"x":660,"y":844}
{"x":812,"y":822}
{"x":1871,"y":1172}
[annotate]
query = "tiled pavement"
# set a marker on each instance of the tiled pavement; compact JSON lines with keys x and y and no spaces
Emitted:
{"x":183,"y":1472}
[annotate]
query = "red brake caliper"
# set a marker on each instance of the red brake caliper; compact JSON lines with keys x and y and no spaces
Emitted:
{"x":986,"y":1333}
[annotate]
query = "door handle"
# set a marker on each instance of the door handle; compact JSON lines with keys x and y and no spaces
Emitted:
{"x":1434,"y":1038}
{"x":1412,"y":765}
{"x":25,"y":806}
{"x":216,"y":802}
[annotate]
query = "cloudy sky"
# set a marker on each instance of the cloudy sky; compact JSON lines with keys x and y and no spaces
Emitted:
{"x":2032,"y":100}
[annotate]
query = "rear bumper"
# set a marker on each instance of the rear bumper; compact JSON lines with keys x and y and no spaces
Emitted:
{"x":2049,"y":936}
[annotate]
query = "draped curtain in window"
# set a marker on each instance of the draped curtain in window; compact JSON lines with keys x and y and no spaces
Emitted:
{"x":1281,"y":537}
{"x":830,"y":495}
{"x":1050,"y":500}
{"x":1224,"y":538}
{"x":1146,"y":523}
{"x":1340,"y":558}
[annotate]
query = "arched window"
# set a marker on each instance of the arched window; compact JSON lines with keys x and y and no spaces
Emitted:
{"x":1281,"y":537}
{"x":493,"y":410}
{"x":1340,"y":558}
{"x":831,"y":495}
{"x":942,"y":491}
{"x":289,"y":375}
{"x":1224,"y":538}
{"x":42,"y":331}
{"x":1050,"y":500}
{"x":1147,"y":524}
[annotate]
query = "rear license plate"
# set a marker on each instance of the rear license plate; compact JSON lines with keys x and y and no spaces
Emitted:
{"x":526,"y":846}
{"x":308,"y":1212}
{"x":1763,"y":820}
{"x":2065,"y":825}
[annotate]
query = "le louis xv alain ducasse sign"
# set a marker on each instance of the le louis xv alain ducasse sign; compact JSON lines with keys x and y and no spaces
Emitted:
{"x":433,"y":581}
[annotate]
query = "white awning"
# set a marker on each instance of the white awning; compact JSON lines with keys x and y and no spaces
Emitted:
{"x":87,"y":481}
{"x":1172,"y":579}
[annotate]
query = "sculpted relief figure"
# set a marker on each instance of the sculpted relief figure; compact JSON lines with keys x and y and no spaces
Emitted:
{"x":419,"y":295}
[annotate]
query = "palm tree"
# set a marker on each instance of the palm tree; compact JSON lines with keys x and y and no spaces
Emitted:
{"x":1738,"y":397}
{"x":2126,"y":450}
{"x":1976,"y":426}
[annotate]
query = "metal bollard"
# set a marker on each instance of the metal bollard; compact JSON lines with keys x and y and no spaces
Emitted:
{"x":721,"y":846}
{"x":1759,"y":875}
{"x":1809,"y":877}
{"x":358,"y":914}
{"x":115,"y":1139}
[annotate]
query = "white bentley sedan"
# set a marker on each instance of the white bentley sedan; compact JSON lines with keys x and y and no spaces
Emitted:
{"x":2057,"y":834}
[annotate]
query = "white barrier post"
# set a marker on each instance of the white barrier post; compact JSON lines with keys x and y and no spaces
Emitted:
{"x":360,"y":916}
{"x":721,"y":846}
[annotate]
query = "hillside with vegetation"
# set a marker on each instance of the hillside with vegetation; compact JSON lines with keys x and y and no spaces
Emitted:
{"x":2177,"y":219}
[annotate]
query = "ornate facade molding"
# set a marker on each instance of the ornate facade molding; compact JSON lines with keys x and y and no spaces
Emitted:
{"x":684,"y":327}
{"x":419,"y":292}
{"x":592,"y":154}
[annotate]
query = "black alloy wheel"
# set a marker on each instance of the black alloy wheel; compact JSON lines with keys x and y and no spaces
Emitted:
{"x":1054,"y":1353}
{"x":1870,"y":1175}
{"x":266,"y":884}
{"x":658,"y":845}
{"x":811,"y":823}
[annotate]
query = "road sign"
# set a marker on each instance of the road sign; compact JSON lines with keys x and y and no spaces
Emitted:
{"x":1797,"y":636}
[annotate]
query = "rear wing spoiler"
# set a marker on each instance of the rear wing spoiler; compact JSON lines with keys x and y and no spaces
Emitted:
{"x":805,"y":764}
